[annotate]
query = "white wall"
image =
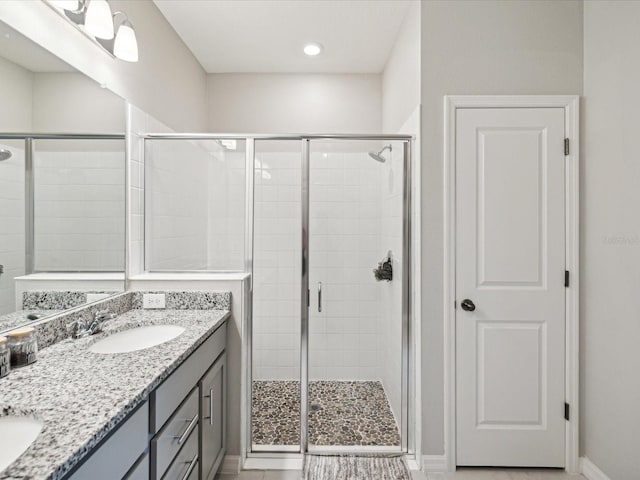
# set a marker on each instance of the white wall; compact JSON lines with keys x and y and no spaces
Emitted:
{"x":610,"y":238}
{"x":16,"y":97}
{"x":74,"y":103}
{"x":294,"y":103}
{"x":167,"y":82}
{"x":401,"y":76}
{"x":470,"y":47}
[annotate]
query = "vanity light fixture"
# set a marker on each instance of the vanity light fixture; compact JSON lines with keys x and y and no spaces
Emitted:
{"x":71,"y":5}
{"x":113,"y":32}
{"x":125,"y":45}
{"x":98,"y":19}
{"x":312,"y":49}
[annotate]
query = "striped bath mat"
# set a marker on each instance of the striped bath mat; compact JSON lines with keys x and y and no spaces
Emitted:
{"x":355,"y":467}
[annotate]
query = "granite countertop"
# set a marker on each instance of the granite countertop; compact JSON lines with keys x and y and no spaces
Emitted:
{"x":81,"y":396}
{"x":19,"y":317}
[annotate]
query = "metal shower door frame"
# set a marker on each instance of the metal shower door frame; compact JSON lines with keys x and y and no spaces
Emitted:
{"x":305,"y":292}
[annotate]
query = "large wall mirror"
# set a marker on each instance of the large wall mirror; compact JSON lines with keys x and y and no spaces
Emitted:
{"x":62,"y":185}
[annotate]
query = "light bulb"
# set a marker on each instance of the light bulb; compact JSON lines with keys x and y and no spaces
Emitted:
{"x":312,"y":49}
{"x":71,"y":5}
{"x":125,"y":46}
{"x":98,"y":20}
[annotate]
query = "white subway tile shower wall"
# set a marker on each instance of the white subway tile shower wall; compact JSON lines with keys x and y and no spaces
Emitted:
{"x":176,"y":205}
{"x":12,"y":254}
{"x":227,"y":184}
{"x":79,"y":210}
{"x":351,"y":209}
{"x":344,"y":247}
{"x":138,"y":121}
{"x":195,"y":205}
{"x":276,"y":264}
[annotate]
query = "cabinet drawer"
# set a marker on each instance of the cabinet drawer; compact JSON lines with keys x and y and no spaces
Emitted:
{"x":140,"y":471}
{"x":186,"y":462}
{"x":174,"y":434}
{"x":115,"y":457}
{"x":166,"y":398}
{"x":194,"y":472}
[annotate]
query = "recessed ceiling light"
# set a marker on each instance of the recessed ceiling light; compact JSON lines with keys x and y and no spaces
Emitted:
{"x":312,"y":49}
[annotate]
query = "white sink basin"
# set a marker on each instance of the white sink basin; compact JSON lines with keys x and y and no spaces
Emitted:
{"x":18,"y":433}
{"x":136,"y":339}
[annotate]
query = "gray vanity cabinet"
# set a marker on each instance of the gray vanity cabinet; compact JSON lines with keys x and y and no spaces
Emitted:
{"x":187,"y":415}
{"x":120,"y":452}
{"x":179,"y":433}
{"x":212,"y":418}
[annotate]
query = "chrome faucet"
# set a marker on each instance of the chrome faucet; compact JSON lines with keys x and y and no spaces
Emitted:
{"x":80,"y":329}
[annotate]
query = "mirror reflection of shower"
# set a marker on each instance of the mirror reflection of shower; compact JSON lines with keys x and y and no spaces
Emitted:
{"x":5,"y":154}
{"x":377,"y":156}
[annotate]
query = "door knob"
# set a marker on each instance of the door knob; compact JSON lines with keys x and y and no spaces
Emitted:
{"x":467,"y":305}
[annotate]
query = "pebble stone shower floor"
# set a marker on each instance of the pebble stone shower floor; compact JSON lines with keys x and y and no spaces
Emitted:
{"x":340,"y":413}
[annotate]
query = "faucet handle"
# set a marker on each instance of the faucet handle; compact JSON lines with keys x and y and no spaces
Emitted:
{"x":77,"y":328}
{"x":104,"y":315}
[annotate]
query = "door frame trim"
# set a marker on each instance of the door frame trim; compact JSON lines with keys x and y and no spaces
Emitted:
{"x":570,"y":104}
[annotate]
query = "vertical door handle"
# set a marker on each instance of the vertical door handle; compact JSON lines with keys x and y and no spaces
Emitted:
{"x":210,"y":397}
{"x":320,"y":296}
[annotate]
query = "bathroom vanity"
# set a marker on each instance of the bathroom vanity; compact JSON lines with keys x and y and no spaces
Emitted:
{"x":154,"y":413}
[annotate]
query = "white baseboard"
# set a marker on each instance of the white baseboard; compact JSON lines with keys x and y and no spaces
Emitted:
{"x":434,"y":463}
{"x":230,"y":465}
{"x":291,"y":462}
{"x":591,"y":471}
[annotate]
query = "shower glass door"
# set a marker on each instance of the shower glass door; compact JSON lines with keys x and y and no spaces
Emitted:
{"x":277,"y":247}
{"x":355,"y":326}
{"x":329,"y":330}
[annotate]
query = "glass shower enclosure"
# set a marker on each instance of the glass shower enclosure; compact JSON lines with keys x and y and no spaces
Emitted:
{"x":329,"y":343}
{"x":326,"y":240}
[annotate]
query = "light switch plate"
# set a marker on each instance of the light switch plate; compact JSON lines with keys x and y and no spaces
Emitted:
{"x":153,"y":300}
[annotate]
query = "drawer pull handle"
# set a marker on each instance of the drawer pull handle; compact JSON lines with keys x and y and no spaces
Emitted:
{"x":188,"y":430}
{"x":192,"y":465}
{"x":210,"y":397}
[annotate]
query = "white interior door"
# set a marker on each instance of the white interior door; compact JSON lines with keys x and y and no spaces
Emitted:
{"x":510,"y":299}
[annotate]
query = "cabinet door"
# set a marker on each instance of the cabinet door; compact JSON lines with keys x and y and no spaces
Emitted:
{"x":213,"y":391}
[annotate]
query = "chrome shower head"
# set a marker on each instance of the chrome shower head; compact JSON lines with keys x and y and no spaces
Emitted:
{"x":377,"y":156}
{"x":5,"y":154}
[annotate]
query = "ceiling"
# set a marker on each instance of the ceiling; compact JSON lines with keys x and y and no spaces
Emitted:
{"x":267,"y":36}
{"x":18,"y":49}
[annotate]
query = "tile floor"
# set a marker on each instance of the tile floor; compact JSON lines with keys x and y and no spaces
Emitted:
{"x":461,"y":474}
{"x":341,"y":413}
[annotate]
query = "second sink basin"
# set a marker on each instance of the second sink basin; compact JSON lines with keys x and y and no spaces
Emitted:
{"x":136,"y":339}
{"x":18,"y":433}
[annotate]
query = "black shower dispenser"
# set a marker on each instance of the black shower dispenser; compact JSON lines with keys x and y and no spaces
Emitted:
{"x":385,"y":269}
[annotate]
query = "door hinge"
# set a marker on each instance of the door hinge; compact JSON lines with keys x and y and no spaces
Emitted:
{"x":566,"y":411}
{"x":566,"y":146}
{"x":566,"y":278}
